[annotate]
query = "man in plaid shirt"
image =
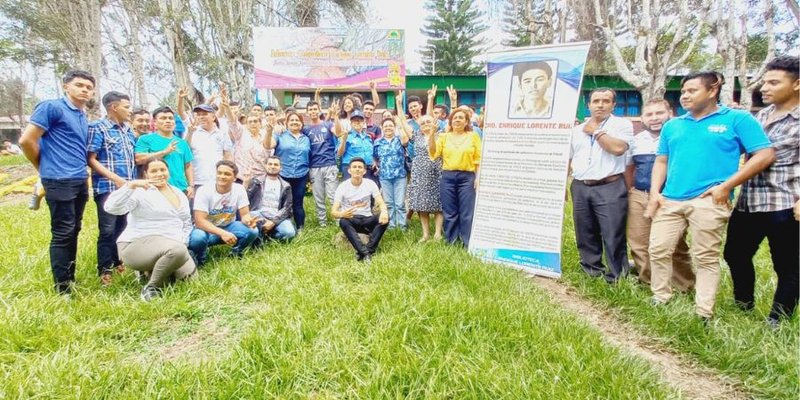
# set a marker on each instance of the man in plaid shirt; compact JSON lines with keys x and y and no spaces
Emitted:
{"x":769,"y":204}
{"x":111,"y":157}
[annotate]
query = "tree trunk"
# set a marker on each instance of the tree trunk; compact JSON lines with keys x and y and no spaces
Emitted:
{"x":134,"y":54}
{"x":726,"y":47}
{"x":171,"y":12}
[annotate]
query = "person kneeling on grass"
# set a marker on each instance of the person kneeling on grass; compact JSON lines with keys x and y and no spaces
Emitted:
{"x":273,"y":212}
{"x":352,"y":204}
{"x":215,"y":208}
{"x":159,"y":223}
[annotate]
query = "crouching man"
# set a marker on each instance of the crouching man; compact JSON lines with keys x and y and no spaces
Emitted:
{"x":352,"y":204}
{"x":273,"y":212}
{"x":215,"y":208}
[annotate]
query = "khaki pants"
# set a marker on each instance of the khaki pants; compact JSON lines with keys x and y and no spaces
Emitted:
{"x":706,"y":222}
{"x":639,"y":240}
{"x":158,"y":255}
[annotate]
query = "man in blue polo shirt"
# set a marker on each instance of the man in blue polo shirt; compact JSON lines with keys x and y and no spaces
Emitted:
{"x":356,"y":144}
{"x":698,"y":157}
{"x":55,"y":143}
{"x":322,"y":158}
{"x":111,"y":157}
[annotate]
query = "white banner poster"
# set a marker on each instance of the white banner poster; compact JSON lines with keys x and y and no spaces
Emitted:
{"x":531,"y":98}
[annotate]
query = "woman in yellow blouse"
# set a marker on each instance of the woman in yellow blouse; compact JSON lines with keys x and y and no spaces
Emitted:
{"x":460,"y":151}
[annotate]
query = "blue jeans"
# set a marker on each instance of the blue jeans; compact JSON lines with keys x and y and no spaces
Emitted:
{"x":298,"y":195}
{"x":284,"y":231}
{"x":109,"y":228}
{"x":394,"y":194}
{"x":457,"y":191}
{"x":66,"y":199}
{"x":200,"y":240}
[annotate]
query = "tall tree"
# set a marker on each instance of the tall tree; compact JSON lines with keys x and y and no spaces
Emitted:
{"x":69,"y":29}
{"x":453,"y":29}
{"x":659,"y":30}
{"x":534,"y":22}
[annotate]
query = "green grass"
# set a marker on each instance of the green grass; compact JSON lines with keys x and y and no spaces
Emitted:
{"x":7,"y":161}
{"x":737,"y":344}
{"x":302,"y":320}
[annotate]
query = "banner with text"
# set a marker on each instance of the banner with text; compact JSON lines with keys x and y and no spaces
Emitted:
{"x":331,"y":58}
{"x":531,"y":98}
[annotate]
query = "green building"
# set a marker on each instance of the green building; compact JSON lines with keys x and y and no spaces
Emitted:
{"x":472,"y":91}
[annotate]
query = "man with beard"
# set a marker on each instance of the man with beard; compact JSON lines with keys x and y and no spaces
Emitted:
{"x":273,"y":213}
{"x":642,"y":154}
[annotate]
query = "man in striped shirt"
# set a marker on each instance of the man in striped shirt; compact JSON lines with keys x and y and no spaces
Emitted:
{"x":769,"y":204}
{"x":111,"y":157}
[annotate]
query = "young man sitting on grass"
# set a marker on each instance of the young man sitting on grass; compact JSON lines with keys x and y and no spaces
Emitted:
{"x":273,"y":212}
{"x":352,"y":204}
{"x":215,"y":208}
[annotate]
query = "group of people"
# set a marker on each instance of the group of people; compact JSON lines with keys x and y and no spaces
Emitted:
{"x":169,"y":184}
{"x":677,"y":177}
{"x":222,"y":176}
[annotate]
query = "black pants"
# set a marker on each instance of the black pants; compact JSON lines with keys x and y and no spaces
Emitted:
{"x":367,"y":225}
{"x":600,"y":213}
{"x":298,"y":195}
{"x":746,"y":231}
{"x":109,"y":228}
{"x":66,"y":199}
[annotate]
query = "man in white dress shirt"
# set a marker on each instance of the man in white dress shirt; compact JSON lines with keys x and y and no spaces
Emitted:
{"x":599,"y":192}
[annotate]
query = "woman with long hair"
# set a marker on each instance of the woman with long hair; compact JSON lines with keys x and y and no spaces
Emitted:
{"x":460,"y":151}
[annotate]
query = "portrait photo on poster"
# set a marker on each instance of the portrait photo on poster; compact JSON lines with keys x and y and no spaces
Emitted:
{"x":532,"y":91}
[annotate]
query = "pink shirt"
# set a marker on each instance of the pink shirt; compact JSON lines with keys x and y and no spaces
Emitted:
{"x":249,"y":152}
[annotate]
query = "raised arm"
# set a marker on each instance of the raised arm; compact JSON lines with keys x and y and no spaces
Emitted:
{"x":269,"y":138}
{"x":431,"y":99}
{"x":376,"y":99}
{"x":317,"y":96}
{"x":400,"y":121}
{"x":342,"y":144}
{"x":183,"y":94}
{"x":451,"y":91}
{"x":333,"y":112}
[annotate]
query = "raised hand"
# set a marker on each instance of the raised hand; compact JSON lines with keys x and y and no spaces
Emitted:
{"x":432,"y":91}
{"x":451,"y":91}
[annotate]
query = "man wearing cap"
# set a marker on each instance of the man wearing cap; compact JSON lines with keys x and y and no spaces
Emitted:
{"x":175,"y":152}
{"x":356,"y":144}
{"x":599,"y":193}
{"x":209,"y":143}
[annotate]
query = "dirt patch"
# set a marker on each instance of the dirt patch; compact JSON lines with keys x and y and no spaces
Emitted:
{"x":209,"y":335}
{"x":692,"y":381}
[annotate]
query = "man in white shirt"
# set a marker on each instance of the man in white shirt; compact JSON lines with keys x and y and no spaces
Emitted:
{"x":10,"y":149}
{"x":599,"y":193}
{"x":640,"y":159}
{"x":352,"y":204}
{"x":274,"y":210}
{"x":215,"y":208}
{"x":210,"y":144}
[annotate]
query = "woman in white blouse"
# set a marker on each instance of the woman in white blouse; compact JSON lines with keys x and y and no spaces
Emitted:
{"x":159,"y":224}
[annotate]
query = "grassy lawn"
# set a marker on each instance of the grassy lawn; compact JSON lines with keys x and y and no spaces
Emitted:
{"x":305,"y":320}
{"x":7,"y":161}
{"x":737,"y":344}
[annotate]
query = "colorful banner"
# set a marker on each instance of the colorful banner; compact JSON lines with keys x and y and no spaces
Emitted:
{"x":531,"y":98}
{"x":331,"y":58}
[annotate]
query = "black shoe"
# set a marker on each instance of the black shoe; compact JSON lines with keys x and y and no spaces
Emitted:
{"x":64,"y":288}
{"x":773,"y":323}
{"x":744,"y":305}
{"x":150,"y":292}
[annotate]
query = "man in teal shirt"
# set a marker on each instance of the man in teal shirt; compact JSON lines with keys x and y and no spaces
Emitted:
{"x":698,"y":158}
{"x":173,"y":150}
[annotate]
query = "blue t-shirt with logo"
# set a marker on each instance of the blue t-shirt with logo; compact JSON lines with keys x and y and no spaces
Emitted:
{"x":704,"y":153}
{"x":323,"y":144}
{"x":62,"y":148}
